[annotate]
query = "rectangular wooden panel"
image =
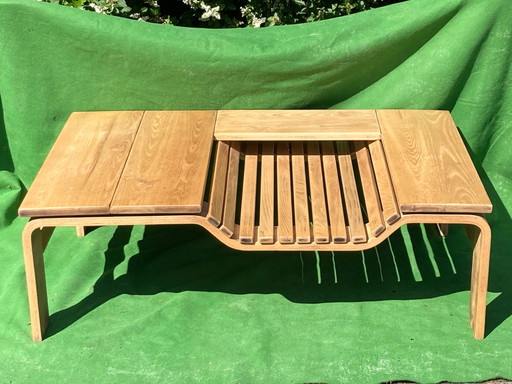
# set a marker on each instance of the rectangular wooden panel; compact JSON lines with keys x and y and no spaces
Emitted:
{"x":390,"y":209}
{"x":247,"y":211}
{"x":429,"y":164}
{"x":287,"y":125}
{"x":266,"y":228}
{"x":218,"y":188}
{"x":284,"y":194}
{"x":82,"y":170}
{"x":228,"y":217}
{"x":352,"y":204}
{"x":167,"y":168}
{"x":370,"y":191}
{"x":300,"y":194}
{"x":316,"y":188}
{"x":334,"y":196}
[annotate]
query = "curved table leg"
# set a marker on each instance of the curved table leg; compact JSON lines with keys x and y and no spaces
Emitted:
{"x":480,"y":237}
{"x":34,"y":243}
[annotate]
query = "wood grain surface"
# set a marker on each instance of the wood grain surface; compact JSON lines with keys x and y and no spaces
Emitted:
{"x":81,"y":172}
{"x":334,"y":196}
{"x":317,"y":194}
{"x":228,"y":217}
{"x":248,"y":206}
{"x":284,"y":194}
{"x":429,"y":164}
{"x":370,"y":191}
{"x":266,"y":230}
{"x":297,"y":125}
{"x":352,"y":203}
{"x":218,"y":187}
{"x":390,"y":209}
{"x":168,"y":164}
{"x":300,"y":194}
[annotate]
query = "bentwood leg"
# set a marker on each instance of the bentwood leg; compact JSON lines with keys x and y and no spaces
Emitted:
{"x":34,"y":243}
{"x":80,"y":230}
{"x":480,"y":237}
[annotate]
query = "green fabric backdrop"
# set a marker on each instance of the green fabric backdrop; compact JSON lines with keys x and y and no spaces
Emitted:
{"x":171,"y":304}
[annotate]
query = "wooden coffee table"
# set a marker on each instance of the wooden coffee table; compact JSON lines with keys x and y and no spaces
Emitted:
{"x":279,"y":180}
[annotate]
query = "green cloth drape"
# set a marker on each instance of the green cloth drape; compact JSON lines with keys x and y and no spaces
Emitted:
{"x":171,"y":304}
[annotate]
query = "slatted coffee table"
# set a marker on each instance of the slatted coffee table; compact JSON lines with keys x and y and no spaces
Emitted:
{"x":278,"y":180}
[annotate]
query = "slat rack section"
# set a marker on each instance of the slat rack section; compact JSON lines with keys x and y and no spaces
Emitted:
{"x":301,"y":192}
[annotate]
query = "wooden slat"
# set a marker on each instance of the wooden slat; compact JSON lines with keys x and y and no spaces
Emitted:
{"x":316,"y":187}
{"x":429,"y":164}
{"x":390,"y":209}
{"x":247,"y":211}
{"x":266,"y":228}
{"x":167,"y":168}
{"x":300,"y":194}
{"x":370,"y":191}
{"x":284,"y":194}
{"x":352,"y":204}
{"x":82,"y":170}
{"x":334,"y":197}
{"x":297,"y":125}
{"x":216,"y":204}
{"x":228,"y":217}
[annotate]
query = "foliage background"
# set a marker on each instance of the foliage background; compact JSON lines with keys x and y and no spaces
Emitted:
{"x":226,"y":13}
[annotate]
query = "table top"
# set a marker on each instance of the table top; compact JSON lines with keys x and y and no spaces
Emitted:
{"x":125,"y":163}
{"x":157,"y":162}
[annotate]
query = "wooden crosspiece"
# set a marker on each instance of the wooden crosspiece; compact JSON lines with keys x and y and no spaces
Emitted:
{"x":278,"y":180}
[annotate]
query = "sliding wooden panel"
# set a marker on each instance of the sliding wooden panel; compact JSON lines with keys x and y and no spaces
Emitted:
{"x":386,"y":192}
{"x":297,"y":125}
{"x":81,"y":173}
{"x":284,"y":194}
{"x":352,"y":204}
{"x":228,"y":217}
{"x":316,"y":187}
{"x":333,"y":191}
{"x":266,"y":228}
{"x":216,"y":206}
{"x":300,"y":194}
{"x":167,"y":168}
{"x":429,"y":164}
{"x":370,"y":191}
{"x":247,"y":212}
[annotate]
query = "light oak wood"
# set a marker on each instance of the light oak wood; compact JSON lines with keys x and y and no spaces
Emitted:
{"x":334,"y":196}
{"x":386,"y":192}
{"x":316,"y":186}
{"x":298,"y":125}
{"x":233,"y":242}
{"x":228,"y":218}
{"x":266,"y":229}
{"x":35,"y":270}
{"x":81,"y":172}
{"x":370,"y":192}
{"x":429,"y":165}
{"x":248,"y":208}
{"x":34,"y":243}
{"x":480,"y":238}
{"x":284,"y":194}
{"x":168,"y":164}
{"x":218,"y":188}
{"x":300,"y":194}
{"x":352,"y":204}
{"x":80,"y":231}
{"x":290,"y":184}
